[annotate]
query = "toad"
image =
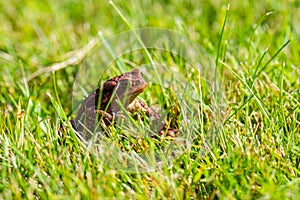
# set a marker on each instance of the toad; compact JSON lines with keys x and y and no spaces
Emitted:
{"x":105,"y":103}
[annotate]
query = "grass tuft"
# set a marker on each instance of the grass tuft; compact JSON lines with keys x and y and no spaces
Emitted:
{"x":256,"y":48}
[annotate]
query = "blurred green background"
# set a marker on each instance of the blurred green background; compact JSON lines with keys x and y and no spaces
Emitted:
{"x":261,"y":156}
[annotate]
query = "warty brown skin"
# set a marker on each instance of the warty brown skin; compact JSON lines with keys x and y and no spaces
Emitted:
{"x":103,"y":104}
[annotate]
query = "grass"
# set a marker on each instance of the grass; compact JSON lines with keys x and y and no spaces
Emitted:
{"x":256,"y":49}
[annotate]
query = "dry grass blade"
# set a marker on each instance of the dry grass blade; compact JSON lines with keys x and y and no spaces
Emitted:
{"x":76,"y":57}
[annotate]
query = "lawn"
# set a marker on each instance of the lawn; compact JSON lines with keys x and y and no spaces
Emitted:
{"x":225,"y":73}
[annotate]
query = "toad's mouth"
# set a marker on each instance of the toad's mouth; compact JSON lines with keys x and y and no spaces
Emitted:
{"x":136,"y":92}
{"x":140,"y":89}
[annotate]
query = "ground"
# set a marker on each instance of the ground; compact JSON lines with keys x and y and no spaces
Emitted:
{"x":255,"y":47}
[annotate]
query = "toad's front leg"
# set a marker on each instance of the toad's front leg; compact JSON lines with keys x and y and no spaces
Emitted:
{"x":157,"y":124}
